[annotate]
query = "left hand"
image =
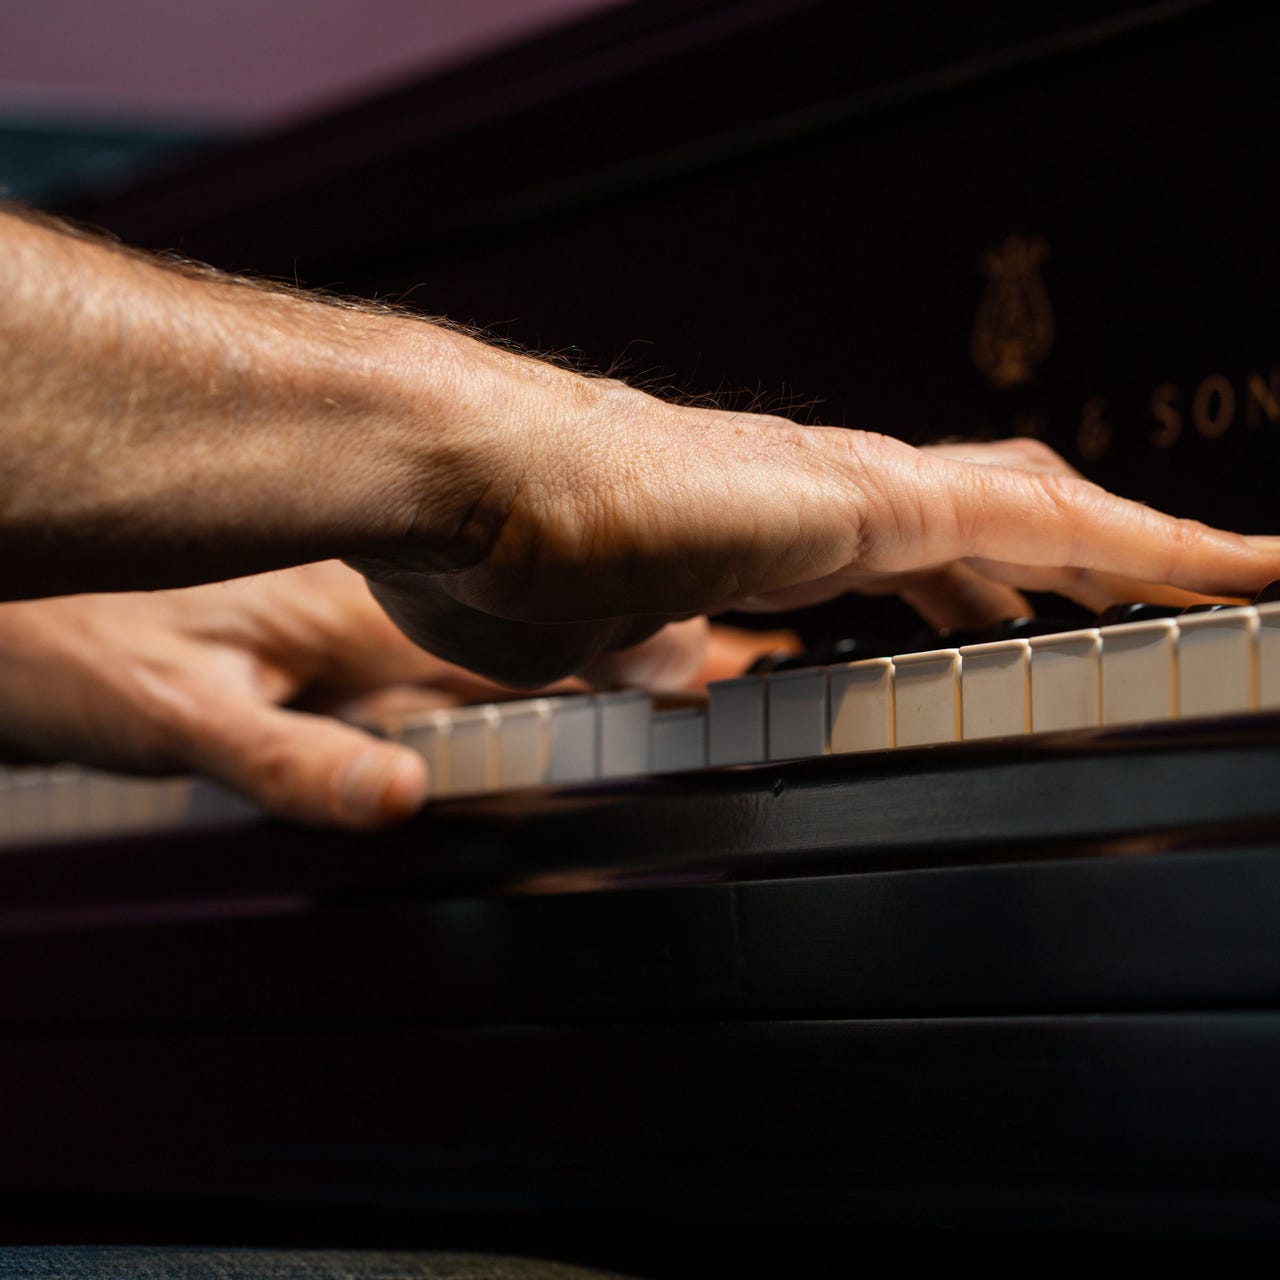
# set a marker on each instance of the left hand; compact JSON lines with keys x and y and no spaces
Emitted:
{"x":197,"y":678}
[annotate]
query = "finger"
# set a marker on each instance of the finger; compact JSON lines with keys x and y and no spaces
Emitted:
{"x":1093,"y":589}
{"x":732,"y":650}
{"x":953,"y":595}
{"x":954,"y":511}
{"x":383,"y":707}
{"x":1021,"y":454}
{"x":959,"y":596}
{"x":303,"y":767}
{"x":669,"y":659}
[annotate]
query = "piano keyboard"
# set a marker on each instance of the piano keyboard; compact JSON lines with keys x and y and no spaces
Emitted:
{"x":1224,"y":662}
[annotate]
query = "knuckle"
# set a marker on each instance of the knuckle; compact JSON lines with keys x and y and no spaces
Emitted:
{"x":1036,"y":453}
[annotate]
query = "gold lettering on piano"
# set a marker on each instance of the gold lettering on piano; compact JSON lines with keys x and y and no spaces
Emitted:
{"x":1262,"y":399}
{"x":1013,"y":330}
{"x":1213,"y":406}
{"x":1210,"y":408}
{"x":1163,"y":400}
{"x":1093,"y":439}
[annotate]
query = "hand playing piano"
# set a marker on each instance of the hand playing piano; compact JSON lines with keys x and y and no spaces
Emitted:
{"x":176,"y":426}
{"x":606,"y":513}
{"x":197,"y":679}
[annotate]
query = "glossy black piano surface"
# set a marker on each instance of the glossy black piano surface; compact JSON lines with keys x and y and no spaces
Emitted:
{"x":1023,"y":985}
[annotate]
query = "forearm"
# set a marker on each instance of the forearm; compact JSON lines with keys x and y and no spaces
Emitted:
{"x":160,"y":428}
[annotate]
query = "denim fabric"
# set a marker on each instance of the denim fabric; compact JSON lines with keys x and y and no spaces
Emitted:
{"x":89,"y":1263}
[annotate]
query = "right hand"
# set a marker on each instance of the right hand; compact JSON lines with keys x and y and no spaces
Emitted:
{"x":598,"y":513}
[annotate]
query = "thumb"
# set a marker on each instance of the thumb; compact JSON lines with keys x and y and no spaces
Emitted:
{"x":305,"y":767}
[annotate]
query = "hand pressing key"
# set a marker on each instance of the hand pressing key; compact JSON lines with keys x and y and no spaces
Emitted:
{"x":166,"y":425}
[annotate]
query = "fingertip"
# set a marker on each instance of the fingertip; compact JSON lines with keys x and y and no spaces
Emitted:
{"x":409,"y":787}
{"x":379,"y":785}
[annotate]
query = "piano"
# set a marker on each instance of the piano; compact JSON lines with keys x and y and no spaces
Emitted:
{"x":939,"y":971}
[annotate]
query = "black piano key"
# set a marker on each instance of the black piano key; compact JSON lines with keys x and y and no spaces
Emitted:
{"x":1024,"y":628}
{"x":1206,"y":608}
{"x":1021,"y":628}
{"x":767,"y":663}
{"x":848,"y":649}
{"x":1269,"y":594}
{"x":943,"y":638}
{"x":1136,"y":611}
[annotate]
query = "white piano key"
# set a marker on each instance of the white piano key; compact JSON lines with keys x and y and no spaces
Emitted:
{"x":1215,"y":665}
{"x":210,"y":804}
{"x":173,"y":806}
{"x":139,"y":805}
{"x":736,"y":721}
{"x":572,"y":732}
{"x":1267,"y":652}
{"x":473,"y":750}
{"x":995,"y":689}
{"x":860,"y":705}
{"x":99,"y":802}
{"x":622,"y":734}
{"x":796,"y":716}
{"x":28,"y":805}
{"x":7,"y":785}
{"x":63,"y":791}
{"x":926,"y":697}
{"x":524,"y":743}
{"x":1140,"y":671}
{"x":678,"y":740}
{"x":428,"y":734}
{"x":1066,"y":681}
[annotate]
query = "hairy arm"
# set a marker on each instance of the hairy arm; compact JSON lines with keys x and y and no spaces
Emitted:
{"x":165,"y":425}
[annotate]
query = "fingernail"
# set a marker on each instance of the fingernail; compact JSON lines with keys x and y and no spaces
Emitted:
{"x":381,"y":784}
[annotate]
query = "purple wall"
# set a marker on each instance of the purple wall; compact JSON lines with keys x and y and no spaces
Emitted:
{"x":241,"y":62}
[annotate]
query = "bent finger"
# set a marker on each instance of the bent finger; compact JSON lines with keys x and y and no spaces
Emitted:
{"x":1092,"y":588}
{"x":959,"y":596}
{"x":304,"y":767}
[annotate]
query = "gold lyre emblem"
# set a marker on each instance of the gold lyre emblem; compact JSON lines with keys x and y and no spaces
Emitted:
{"x":1013,"y":330}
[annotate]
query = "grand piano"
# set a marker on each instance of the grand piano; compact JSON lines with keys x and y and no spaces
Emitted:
{"x":1024,"y":989}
